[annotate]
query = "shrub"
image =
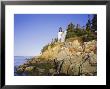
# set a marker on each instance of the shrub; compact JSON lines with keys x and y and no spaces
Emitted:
{"x":45,"y":48}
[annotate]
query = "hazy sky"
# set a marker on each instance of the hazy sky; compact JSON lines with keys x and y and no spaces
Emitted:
{"x":33,"y":31}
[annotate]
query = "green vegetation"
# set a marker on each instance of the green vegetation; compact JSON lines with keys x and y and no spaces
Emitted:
{"x":52,"y":44}
{"x":62,"y":62}
{"x":94,"y":23}
{"x":87,"y":32}
{"x":70,"y":31}
{"x":45,"y":48}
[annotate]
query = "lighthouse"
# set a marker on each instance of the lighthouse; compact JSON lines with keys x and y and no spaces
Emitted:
{"x":61,"y":35}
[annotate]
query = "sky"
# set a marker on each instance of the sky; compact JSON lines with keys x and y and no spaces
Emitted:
{"x":33,"y":31}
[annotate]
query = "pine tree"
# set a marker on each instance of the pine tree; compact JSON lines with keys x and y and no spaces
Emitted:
{"x":90,"y":27}
{"x":70,"y":31}
{"x":88,"y":24}
{"x":70,"y":27}
{"x":77,"y":27}
{"x":94,"y":23}
{"x":78,"y":30}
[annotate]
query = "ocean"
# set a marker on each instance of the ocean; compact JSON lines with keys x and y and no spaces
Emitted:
{"x":19,"y":60}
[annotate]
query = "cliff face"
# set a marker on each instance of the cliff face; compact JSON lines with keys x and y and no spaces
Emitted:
{"x":73,"y":57}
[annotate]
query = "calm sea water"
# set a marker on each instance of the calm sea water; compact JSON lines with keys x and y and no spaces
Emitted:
{"x":19,"y":60}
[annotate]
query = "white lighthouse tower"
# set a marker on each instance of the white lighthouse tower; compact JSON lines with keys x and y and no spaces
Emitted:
{"x":61,"y":35}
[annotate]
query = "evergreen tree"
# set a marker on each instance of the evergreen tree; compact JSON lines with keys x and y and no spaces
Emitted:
{"x":83,"y":27}
{"x":78,"y":30}
{"x":89,"y":28}
{"x":77,"y":26}
{"x":70,"y":27}
{"x":55,"y":40}
{"x":70,"y":31}
{"x":94,"y":23}
{"x":88,"y":24}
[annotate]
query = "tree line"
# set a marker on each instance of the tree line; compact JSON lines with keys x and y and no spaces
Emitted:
{"x":87,"y":32}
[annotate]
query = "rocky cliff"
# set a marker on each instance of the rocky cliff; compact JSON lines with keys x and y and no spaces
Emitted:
{"x":72,"y":57}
